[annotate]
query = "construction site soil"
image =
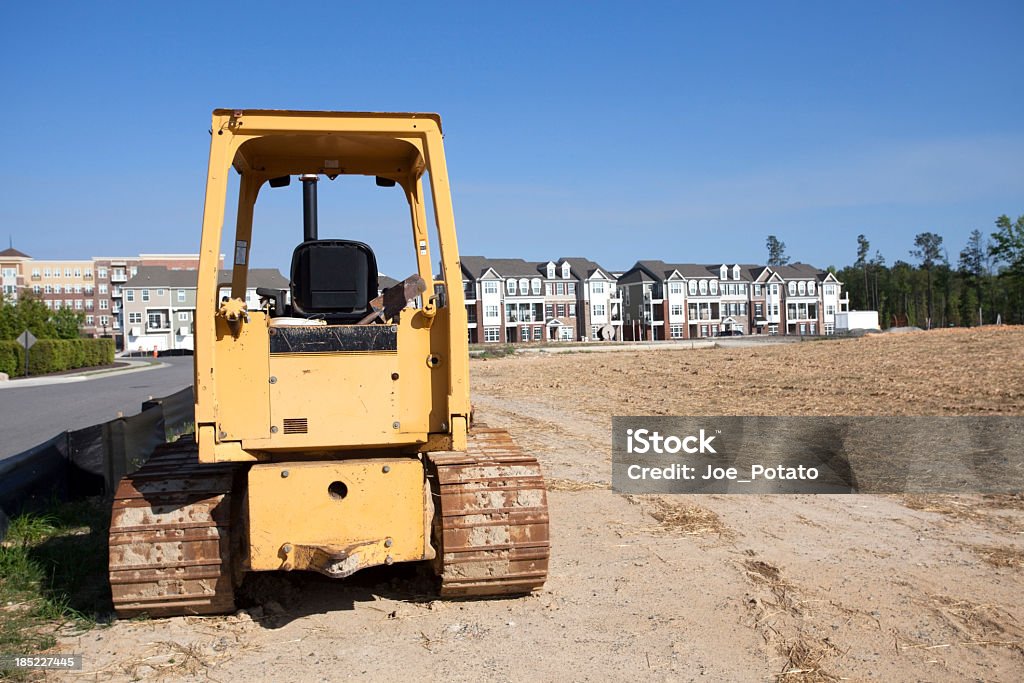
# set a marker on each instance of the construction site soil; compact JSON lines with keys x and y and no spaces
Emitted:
{"x":683,"y":588}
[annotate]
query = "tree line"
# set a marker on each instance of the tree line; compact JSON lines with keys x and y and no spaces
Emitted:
{"x":984,"y":285}
{"x":29,"y":313}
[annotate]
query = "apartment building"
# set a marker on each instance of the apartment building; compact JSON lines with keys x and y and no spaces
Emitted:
{"x":160,"y":304}
{"x":12,"y":273}
{"x":512,"y":300}
{"x":692,"y":301}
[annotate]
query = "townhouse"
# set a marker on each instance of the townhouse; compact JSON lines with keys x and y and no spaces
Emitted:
{"x":692,"y":301}
{"x":160,"y":305}
{"x":513,"y":300}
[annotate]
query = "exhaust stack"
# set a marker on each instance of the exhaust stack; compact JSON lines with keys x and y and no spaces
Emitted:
{"x":309,"y":226}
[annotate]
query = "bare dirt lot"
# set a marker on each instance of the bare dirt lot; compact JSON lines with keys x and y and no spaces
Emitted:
{"x":685,"y":588}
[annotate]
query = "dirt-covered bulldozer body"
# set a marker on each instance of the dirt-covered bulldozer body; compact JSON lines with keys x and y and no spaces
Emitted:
{"x":332,"y":423}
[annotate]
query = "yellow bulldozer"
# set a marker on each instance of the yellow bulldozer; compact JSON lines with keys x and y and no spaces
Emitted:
{"x":332,"y":422}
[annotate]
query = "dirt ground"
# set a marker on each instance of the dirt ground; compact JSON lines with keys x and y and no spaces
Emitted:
{"x":675,"y":588}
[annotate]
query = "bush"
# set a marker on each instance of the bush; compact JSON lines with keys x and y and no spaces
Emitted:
{"x":55,"y":355}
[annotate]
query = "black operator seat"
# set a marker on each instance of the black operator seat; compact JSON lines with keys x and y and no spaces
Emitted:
{"x":334,"y":280}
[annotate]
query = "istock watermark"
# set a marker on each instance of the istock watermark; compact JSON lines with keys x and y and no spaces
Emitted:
{"x":817,"y":454}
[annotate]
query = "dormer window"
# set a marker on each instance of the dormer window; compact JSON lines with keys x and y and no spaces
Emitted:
{"x":735,"y":272}
{"x":810,"y":288}
{"x":565,"y":271}
{"x":551,"y":271}
{"x":524,"y":286}
{"x":714,"y":287}
{"x":792,"y":288}
{"x":692,"y":287}
{"x":535,"y":286}
{"x":703,"y":286}
{"x":510,"y":286}
{"x":723,"y":273}
{"x":802,"y":288}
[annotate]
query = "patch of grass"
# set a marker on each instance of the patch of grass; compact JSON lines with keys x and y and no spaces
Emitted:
{"x":496,"y":352}
{"x":172,"y":434}
{"x":53,"y":573}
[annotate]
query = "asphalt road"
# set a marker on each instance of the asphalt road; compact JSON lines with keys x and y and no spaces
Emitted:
{"x":33,"y":414}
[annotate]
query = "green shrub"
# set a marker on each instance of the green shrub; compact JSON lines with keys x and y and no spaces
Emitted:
{"x":55,"y":355}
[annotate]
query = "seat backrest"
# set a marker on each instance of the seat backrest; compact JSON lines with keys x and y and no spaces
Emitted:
{"x":333,"y":279}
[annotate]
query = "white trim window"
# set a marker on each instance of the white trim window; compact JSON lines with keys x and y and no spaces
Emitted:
{"x":490,"y":286}
{"x":510,"y":287}
{"x":535,"y":286}
{"x":676,"y":331}
{"x":703,"y":286}
{"x":492,"y":334}
{"x":181,"y":296}
{"x":597,"y":287}
{"x":675,"y":288}
{"x":692,"y":287}
{"x":598,"y":310}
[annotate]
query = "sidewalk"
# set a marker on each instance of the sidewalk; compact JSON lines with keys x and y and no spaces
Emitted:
{"x":132,"y":365}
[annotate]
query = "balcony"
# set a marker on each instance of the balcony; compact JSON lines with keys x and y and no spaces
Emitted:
{"x":118,"y":276}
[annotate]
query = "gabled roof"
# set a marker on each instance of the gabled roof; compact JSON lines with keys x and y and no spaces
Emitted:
{"x":13,"y":253}
{"x":475,"y":267}
{"x":664,"y":271}
{"x":583,"y":268}
{"x":159,"y":276}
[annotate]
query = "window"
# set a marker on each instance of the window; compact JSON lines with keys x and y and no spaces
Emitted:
{"x":134,"y":318}
{"x":565,"y":333}
{"x":791,"y":287}
{"x":68,"y":303}
{"x":145,"y":295}
{"x":524,"y":286}
{"x":570,"y":288}
{"x":810,"y":288}
{"x":775,"y":290}
{"x":88,"y":273}
{"x":758,"y":311}
{"x":181,"y":296}
{"x":549,"y":311}
{"x":550,"y":288}
{"x":491,"y":312}
{"x":36,"y":289}
{"x":492,"y":334}
{"x":802,"y":288}
{"x":90,"y":320}
{"x":156,"y":321}
{"x":56,"y":289}
{"x":830,"y":309}
{"x":129,"y":294}
{"x":535,"y":286}
{"x":510,"y":287}
{"x":67,"y":272}
{"x":676,"y":331}
{"x":89,"y":290}
{"x":104,"y":320}
{"x":572,"y":309}
{"x":551,"y":271}
{"x":103,"y":290}
{"x":692,"y":287}
{"x":560,"y":310}
{"x":757,"y":290}
{"x":88,"y":304}
{"x":703,"y":286}
{"x":677,"y":309}
{"x":35,"y":273}
{"x":565,"y":271}
{"x":102,"y":273}
{"x":560,"y":288}
{"x":48,"y":289}
{"x":598,"y":310}
{"x":78,"y":304}
{"x":46,"y":272}
{"x":597,"y":287}
{"x":183,"y":316}
{"x":735,"y":272}
{"x":78,"y":289}
{"x":491,"y":287}
{"x":104,"y":304}
{"x":742,"y":289}
{"x":714,"y":286}
{"x":160,"y":292}
{"x":675,"y":288}
{"x":78,"y":272}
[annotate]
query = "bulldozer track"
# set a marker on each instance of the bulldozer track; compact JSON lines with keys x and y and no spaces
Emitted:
{"x":492,"y":519}
{"x":171,"y":527}
{"x":170,"y":536}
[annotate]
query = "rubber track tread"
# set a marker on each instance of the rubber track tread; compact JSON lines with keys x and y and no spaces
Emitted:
{"x":491,"y":518}
{"x":170,"y":536}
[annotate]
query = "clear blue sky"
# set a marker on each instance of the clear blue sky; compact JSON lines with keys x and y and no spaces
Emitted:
{"x":679,"y":131}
